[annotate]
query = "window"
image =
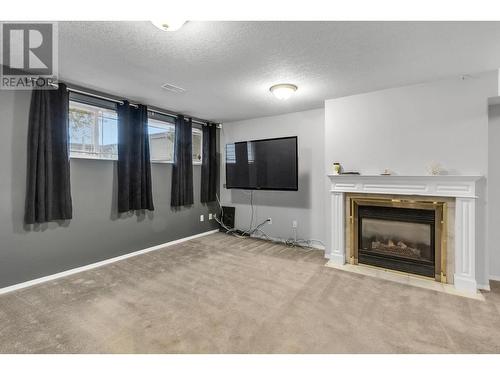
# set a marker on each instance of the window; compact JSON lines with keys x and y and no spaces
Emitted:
{"x":93,"y":132}
{"x":197,"y":145}
{"x":162,"y":140}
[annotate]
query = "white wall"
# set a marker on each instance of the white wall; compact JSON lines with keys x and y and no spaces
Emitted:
{"x":494,"y":188}
{"x":406,"y":128}
{"x":305,"y":205}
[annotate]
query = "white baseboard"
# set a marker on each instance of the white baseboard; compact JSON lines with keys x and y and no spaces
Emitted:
{"x":72,"y":271}
{"x":494,"y":277}
{"x":484,"y":287}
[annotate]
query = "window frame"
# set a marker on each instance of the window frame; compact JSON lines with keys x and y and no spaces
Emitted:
{"x":107,"y":105}
{"x":164,"y":118}
{"x":199,"y":131}
{"x":160,"y":118}
{"x":82,"y":102}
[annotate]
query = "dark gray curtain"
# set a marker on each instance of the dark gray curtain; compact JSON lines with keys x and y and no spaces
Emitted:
{"x":209,"y":164}
{"x":182,"y":170}
{"x":134,"y":168}
{"x":48,"y":189}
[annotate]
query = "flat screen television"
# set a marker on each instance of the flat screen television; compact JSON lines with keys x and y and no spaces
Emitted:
{"x":264,"y":164}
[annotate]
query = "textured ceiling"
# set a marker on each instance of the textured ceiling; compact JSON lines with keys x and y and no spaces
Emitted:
{"x":228,"y":67}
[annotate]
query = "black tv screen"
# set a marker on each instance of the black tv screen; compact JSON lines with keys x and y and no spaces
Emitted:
{"x":265,"y":164}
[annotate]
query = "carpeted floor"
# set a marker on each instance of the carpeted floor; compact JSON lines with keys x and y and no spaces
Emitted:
{"x":220,"y":294}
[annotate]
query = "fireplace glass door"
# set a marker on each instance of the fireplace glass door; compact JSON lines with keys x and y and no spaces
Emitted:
{"x":397,"y":238}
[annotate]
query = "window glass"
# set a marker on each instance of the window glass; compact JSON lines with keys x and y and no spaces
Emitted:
{"x":197,"y":145}
{"x":93,"y":132}
{"x":161,"y":140}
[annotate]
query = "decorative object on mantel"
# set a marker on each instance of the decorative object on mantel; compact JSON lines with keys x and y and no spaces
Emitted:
{"x":337,"y":168}
{"x":434,"y":169}
{"x":386,"y":172}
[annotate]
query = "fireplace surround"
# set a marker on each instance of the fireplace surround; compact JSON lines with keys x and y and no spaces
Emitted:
{"x":455,"y":261}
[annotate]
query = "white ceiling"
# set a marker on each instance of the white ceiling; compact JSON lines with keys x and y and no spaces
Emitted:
{"x":228,"y":67}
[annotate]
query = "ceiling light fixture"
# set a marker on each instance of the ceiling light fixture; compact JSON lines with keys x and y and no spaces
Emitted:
{"x":171,"y":25}
{"x":173,"y":88}
{"x":283,"y":91}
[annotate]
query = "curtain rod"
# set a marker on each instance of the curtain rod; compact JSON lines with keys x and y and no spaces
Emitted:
{"x":118,"y":101}
{"x":170,"y":114}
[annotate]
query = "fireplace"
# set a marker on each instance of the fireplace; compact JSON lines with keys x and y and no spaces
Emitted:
{"x":399,"y":234}
{"x":457,"y":202}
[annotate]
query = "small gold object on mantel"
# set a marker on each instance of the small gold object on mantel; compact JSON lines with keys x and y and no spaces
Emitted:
{"x":336,"y":168}
{"x":386,"y":172}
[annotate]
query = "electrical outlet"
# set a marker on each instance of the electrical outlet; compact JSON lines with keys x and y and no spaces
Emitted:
{"x":269,"y":220}
{"x":210,"y":217}
{"x":202,"y":218}
{"x":294,"y":223}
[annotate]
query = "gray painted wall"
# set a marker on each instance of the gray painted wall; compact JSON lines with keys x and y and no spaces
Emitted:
{"x":305,"y":205}
{"x":95,"y":233}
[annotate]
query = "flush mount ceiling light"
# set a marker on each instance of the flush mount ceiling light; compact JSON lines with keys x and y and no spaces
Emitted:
{"x":173,"y":88}
{"x":283,"y":91}
{"x":171,"y":25}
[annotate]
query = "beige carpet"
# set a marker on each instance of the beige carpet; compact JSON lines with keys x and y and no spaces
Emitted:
{"x":220,"y":294}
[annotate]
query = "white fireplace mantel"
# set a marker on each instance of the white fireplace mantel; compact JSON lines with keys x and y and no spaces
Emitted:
{"x":462,"y":188}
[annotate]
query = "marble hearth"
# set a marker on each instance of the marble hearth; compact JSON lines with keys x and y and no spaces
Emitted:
{"x":458,"y":194}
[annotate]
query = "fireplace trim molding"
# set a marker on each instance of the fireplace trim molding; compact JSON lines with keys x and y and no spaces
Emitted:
{"x":462,"y":188}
